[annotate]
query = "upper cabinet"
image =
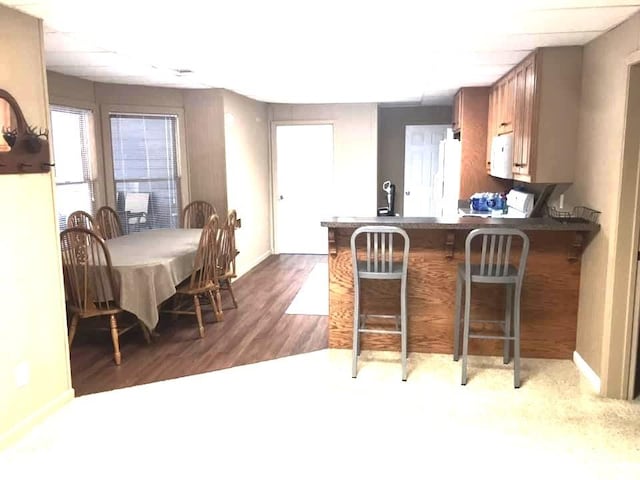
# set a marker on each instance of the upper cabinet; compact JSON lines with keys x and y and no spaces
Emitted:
{"x":505,"y":104}
{"x":457,"y":112}
{"x":541,"y":103}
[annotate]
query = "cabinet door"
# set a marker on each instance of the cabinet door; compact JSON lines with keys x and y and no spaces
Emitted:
{"x":523,"y":166}
{"x":457,"y":112}
{"x":507,"y":97}
{"x":518,"y":115}
{"x":491,"y":130}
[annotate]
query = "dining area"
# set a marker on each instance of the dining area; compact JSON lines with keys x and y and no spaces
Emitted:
{"x":119,"y":280}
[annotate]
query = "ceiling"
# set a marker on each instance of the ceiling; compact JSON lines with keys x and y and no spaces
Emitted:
{"x":293,"y":51}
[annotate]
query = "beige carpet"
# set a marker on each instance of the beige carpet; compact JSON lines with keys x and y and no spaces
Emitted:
{"x":313,"y":296}
{"x":304,"y":417}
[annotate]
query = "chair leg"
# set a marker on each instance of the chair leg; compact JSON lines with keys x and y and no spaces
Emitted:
{"x":465,"y":334}
{"x":233,"y":297}
{"x":73,"y":327}
{"x":516,"y":341}
{"x":403,"y":327}
{"x":356,"y":330}
{"x":145,"y":332}
{"x":196,"y":303}
{"x":216,"y":304}
{"x":114,"y":337}
{"x":506,"y":353}
{"x":456,"y":320}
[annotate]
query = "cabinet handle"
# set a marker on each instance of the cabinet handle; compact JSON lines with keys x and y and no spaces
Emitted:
{"x":518,"y":164}
{"x":504,"y":124}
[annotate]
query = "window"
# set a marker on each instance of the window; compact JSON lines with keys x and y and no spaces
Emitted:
{"x":71,"y":134}
{"x":145,"y":169}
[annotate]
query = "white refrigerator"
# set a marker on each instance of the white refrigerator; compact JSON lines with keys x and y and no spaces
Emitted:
{"x":446,"y":181}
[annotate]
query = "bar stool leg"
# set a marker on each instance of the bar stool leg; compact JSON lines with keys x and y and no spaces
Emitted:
{"x":456,"y":323}
{"x":465,"y":335}
{"x":356,"y":329}
{"x":516,"y":341}
{"x":403,"y":328}
{"x":506,"y":354}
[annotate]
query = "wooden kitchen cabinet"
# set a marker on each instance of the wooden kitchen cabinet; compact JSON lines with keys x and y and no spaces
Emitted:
{"x":505,"y":104}
{"x":457,"y":112}
{"x":544,"y":100}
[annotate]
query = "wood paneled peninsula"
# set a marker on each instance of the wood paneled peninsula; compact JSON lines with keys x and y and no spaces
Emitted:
{"x":549,"y":296}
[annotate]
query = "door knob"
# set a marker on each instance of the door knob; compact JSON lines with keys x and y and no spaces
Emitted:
{"x":407,"y":193}
{"x":281,"y":197}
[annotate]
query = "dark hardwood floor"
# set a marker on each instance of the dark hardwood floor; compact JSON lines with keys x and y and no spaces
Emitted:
{"x":258,"y":330}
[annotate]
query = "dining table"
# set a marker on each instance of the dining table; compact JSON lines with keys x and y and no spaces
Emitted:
{"x":148,"y":265}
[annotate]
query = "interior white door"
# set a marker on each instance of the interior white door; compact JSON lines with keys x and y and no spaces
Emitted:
{"x":303,"y":190}
{"x":421,"y":162}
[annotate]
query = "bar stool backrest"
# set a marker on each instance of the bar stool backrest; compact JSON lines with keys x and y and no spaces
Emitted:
{"x":496,"y":254}
{"x":381,"y":256}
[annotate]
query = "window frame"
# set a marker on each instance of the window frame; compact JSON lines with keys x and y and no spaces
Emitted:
{"x":95,"y":153}
{"x":181,"y":160}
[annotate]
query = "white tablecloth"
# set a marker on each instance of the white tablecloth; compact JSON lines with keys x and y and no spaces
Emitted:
{"x":148,"y":265}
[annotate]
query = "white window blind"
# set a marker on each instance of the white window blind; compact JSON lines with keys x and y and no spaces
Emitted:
{"x":71,"y":131}
{"x":145,"y":170}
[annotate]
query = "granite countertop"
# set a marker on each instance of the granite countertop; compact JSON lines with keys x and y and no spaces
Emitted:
{"x":461,"y":223}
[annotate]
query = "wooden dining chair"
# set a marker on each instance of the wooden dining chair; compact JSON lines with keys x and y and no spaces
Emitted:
{"x":203,"y":281}
{"x":196,"y":214}
{"x":90,"y":285}
{"x":227,"y":254}
{"x":81,"y":219}
{"x":108,"y":223}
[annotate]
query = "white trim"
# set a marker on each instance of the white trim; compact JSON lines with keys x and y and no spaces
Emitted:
{"x":21,"y":428}
{"x":587,"y":371}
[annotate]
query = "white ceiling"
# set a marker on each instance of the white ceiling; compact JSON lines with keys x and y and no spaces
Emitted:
{"x":297,"y":51}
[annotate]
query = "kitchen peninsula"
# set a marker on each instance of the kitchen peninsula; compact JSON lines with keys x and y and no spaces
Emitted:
{"x":549,"y":297}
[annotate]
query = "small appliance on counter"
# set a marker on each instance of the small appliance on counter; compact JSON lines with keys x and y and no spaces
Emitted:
{"x":389,"y":210}
{"x":502,"y":156}
{"x":515,"y":204}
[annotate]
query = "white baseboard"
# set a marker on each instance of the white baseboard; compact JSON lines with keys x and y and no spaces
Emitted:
{"x":587,"y":371}
{"x":255,"y":263}
{"x":17,"y":431}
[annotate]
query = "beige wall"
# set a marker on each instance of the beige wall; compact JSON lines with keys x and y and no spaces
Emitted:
{"x":32,"y":319}
{"x":246,"y":130}
{"x":204,"y":112}
{"x":203,"y":126}
{"x":355,"y":132}
{"x":598,"y":178}
{"x":391,"y":139}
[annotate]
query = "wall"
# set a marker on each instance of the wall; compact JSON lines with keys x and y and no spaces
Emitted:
{"x":355,"y":130}
{"x":391,"y":139}
{"x":246,"y":133}
{"x":598,"y":179}
{"x":32,"y":322}
{"x":204,"y":123}
{"x":203,"y":120}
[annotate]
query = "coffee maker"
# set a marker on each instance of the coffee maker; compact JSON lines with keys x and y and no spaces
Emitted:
{"x":389,"y":210}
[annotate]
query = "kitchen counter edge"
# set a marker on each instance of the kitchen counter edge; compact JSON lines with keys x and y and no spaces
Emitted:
{"x":463,"y":223}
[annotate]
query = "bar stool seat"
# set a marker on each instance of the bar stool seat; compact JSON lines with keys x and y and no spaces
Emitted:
{"x":377,"y":260}
{"x":494,"y":268}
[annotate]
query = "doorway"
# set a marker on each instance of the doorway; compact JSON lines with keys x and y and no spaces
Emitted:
{"x":422,"y":194}
{"x":303,"y":186}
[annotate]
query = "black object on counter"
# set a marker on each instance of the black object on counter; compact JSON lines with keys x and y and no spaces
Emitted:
{"x":389,"y":210}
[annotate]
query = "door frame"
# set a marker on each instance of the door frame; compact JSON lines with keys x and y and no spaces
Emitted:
{"x":621,"y":324}
{"x":404,"y":155}
{"x":274,"y":124}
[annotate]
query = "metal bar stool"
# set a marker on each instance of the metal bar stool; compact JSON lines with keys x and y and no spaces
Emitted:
{"x":379,"y":261}
{"x":494,"y":268}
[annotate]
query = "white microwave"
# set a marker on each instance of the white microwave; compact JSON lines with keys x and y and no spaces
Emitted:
{"x":502,"y":156}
